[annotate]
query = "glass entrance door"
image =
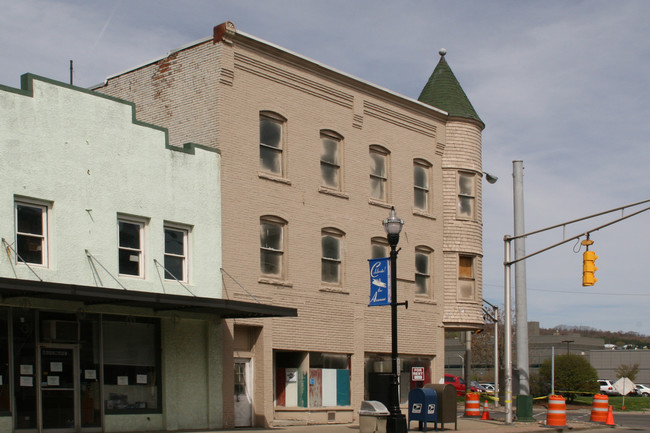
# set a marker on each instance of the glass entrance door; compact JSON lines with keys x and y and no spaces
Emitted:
{"x":58,"y":388}
{"x":243,"y":395}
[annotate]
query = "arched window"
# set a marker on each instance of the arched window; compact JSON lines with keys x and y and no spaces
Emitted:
{"x":331,"y":256}
{"x":379,"y":173}
{"x":272,"y":143}
{"x":423,"y":267}
{"x":421,"y":185}
{"x":379,"y":248}
{"x":331,"y":159}
{"x":466,"y":195}
{"x":272,"y":246}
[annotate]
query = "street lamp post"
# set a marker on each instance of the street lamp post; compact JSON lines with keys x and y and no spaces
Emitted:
{"x":567,"y":345}
{"x":396,"y":422}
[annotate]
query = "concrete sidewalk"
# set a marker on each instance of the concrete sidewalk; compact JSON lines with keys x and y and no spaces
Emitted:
{"x":464,"y":425}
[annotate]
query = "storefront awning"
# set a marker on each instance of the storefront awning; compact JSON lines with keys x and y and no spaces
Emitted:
{"x":90,"y":295}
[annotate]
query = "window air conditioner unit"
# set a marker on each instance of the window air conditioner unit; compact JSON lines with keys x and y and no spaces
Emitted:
{"x":59,"y":331}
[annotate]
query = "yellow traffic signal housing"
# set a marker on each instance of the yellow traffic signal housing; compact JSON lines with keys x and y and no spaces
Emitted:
{"x":589,"y":268}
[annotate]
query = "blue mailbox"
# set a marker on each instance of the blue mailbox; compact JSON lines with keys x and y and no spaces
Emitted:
{"x":423,"y":407}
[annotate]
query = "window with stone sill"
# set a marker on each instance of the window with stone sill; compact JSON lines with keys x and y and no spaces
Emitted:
{"x":466,"y":195}
{"x":272,"y":246}
{"x":272,"y":147}
{"x":330,"y":160}
{"x":379,"y":248}
{"x":421,"y":182}
{"x":332,"y":256}
{"x":423,"y":267}
{"x":379,"y":173}
{"x":466,"y":278}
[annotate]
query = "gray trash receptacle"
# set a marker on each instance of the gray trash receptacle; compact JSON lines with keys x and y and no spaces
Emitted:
{"x":373,"y":415}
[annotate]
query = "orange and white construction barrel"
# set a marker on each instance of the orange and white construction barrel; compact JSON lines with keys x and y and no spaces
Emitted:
{"x":472,"y":404}
{"x":556,"y":411}
{"x":599,"y":408}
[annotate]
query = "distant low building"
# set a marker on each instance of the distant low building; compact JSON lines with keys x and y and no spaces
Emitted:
{"x":603,"y":357}
{"x":607,"y":361}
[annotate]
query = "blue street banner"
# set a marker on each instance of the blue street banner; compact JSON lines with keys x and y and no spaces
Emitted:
{"x":379,"y":281}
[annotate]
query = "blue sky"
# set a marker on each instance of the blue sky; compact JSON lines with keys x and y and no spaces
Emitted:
{"x":563,"y":86}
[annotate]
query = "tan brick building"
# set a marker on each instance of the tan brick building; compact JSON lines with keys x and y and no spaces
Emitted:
{"x":312,"y":161}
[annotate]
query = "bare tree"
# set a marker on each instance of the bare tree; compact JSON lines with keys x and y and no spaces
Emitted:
{"x":629,"y":371}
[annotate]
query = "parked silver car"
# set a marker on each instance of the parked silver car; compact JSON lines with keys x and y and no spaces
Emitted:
{"x":642,"y":390}
{"x":489,"y":387}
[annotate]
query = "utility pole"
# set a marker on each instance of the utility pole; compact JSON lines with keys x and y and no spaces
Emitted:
{"x":494,"y":316}
{"x":521,"y":306}
{"x":468,"y":361}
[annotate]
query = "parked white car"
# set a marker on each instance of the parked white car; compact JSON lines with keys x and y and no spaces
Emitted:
{"x":642,"y":390}
{"x":607,"y":387}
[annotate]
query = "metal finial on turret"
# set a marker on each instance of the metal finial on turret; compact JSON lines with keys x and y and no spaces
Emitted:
{"x":442,"y":52}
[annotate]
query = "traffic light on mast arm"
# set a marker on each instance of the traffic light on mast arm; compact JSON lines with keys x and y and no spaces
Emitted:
{"x":589,"y":265}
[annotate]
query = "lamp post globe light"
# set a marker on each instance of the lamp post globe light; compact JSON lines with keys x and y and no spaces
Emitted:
{"x":396,"y":422}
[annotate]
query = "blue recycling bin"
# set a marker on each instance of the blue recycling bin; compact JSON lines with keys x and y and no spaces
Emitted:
{"x":423,"y":407}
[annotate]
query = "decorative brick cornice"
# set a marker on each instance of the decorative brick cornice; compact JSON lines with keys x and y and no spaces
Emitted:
{"x":224,"y":32}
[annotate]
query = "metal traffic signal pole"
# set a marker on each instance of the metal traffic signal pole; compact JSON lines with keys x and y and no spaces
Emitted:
{"x":507,"y":263}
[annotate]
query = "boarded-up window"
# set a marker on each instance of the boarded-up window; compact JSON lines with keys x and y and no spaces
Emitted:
{"x":466,"y":277}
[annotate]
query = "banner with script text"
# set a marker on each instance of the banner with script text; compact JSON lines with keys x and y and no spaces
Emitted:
{"x":379,"y":281}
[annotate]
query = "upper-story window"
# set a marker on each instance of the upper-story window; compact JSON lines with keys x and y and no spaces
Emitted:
{"x":422,"y":271}
{"x":466,"y":278}
{"x":379,"y":173}
{"x":272,"y":143}
{"x":379,"y":248}
{"x":131,"y":247}
{"x":31,"y":233}
{"x":176,"y":258}
{"x":330,"y":160}
{"x":466,"y":195}
{"x":331,"y":258}
{"x":421,"y":189}
{"x":272,"y":246}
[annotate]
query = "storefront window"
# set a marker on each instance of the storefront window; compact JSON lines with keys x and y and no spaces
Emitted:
{"x":329,"y":379}
{"x":291,"y":377}
{"x":378,"y":374}
{"x":131,"y":364}
{"x":313,"y":379}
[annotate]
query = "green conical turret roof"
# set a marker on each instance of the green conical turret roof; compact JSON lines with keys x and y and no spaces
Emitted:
{"x":444,"y":91}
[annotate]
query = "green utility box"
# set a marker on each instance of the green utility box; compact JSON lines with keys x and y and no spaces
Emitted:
{"x":525,"y":408}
